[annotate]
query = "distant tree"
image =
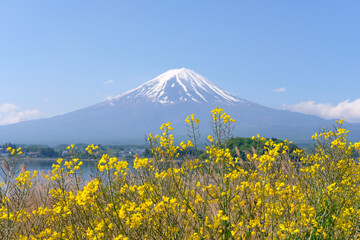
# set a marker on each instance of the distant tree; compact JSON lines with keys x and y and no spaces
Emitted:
{"x":47,"y":152}
{"x":248,"y":145}
{"x":148,"y":153}
{"x":6,"y":145}
{"x":32,"y":148}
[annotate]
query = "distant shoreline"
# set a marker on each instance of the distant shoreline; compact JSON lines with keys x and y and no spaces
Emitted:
{"x":49,"y":159}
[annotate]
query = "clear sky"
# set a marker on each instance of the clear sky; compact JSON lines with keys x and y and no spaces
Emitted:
{"x":60,"y":56}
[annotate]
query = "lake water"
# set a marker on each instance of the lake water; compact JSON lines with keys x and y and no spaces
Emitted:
{"x":39,"y":164}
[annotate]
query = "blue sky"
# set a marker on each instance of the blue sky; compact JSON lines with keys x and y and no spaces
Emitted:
{"x":60,"y":56}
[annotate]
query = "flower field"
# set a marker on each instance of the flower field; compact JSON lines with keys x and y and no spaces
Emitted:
{"x":215,"y":196}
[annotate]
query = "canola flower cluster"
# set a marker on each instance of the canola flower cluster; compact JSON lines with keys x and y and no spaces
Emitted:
{"x":216,"y":196}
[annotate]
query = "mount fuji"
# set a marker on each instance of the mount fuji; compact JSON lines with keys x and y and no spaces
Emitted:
{"x":170,"y":97}
{"x":178,"y":85}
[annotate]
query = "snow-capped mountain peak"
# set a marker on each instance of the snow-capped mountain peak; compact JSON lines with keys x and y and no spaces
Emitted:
{"x":178,"y":85}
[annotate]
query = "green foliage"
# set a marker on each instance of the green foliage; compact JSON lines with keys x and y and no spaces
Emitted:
{"x":6,"y":145}
{"x":240,"y":147}
{"x":48,"y":152}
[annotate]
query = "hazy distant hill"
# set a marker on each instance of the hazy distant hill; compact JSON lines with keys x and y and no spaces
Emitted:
{"x":171,"y":96}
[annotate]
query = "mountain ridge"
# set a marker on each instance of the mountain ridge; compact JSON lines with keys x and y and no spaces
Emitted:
{"x":128,"y":117}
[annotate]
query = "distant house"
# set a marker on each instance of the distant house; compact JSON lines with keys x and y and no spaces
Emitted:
{"x":139,"y":151}
{"x":122,"y":154}
{"x":32,"y":154}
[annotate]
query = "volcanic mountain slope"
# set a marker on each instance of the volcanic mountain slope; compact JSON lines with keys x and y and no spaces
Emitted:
{"x":171,"y":97}
{"x":177,"y":86}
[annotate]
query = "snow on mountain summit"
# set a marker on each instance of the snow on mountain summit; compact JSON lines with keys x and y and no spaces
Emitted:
{"x":178,"y":85}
